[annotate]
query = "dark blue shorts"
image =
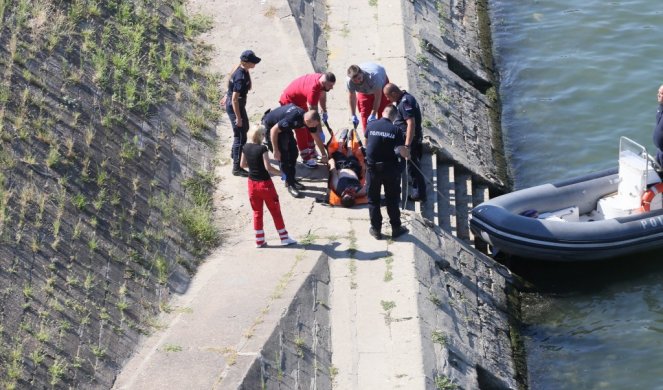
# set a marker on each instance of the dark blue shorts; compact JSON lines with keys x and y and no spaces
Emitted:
{"x":347,"y":182}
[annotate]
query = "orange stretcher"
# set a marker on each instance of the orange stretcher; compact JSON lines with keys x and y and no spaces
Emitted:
{"x":346,"y":139}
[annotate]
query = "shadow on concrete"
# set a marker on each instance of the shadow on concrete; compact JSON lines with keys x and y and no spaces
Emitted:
{"x":333,"y":253}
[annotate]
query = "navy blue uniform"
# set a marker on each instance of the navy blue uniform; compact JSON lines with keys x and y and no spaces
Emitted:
{"x":409,"y":108}
{"x":384,"y":169}
{"x":658,"y":135}
{"x":240,"y":82}
{"x":288,"y":118}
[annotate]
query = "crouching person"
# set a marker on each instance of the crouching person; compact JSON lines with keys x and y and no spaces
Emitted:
{"x":255,"y":157}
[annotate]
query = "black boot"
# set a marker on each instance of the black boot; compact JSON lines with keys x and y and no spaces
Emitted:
{"x":239,"y":171}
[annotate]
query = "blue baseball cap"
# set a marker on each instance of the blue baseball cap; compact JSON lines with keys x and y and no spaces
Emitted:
{"x":249,"y":56}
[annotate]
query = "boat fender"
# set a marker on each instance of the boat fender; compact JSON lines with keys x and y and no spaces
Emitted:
{"x":649,"y":195}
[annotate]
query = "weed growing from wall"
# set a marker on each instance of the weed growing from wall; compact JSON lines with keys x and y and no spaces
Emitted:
{"x":106,"y":154}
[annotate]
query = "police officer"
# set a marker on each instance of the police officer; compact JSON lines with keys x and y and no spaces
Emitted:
{"x":658,"y":129}
{"x":239,"y":84}
{"x":385,"y":146}
{"x":409,"y":120}
{"x":280,"y":124}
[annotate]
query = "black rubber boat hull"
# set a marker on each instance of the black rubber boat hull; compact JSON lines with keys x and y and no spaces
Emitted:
{"x":498,"y":222}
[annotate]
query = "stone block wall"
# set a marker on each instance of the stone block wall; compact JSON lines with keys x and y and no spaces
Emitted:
{"x":95,"y":157}
{"x":298,"y":353}
{"x":452,"y":75}
{"x":468,"y":306}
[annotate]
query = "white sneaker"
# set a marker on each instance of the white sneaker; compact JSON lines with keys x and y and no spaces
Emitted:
{"x":311,"y":163}
{"x":288,"y":241}
{"x":264,"y":244}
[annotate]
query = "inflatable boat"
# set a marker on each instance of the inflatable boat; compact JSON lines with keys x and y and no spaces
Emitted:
{"x":601,"y":215}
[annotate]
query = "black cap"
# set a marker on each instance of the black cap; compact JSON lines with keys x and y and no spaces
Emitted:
{"x":249,"y":56}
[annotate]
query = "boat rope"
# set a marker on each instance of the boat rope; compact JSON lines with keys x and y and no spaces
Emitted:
{"x":407,"y":186}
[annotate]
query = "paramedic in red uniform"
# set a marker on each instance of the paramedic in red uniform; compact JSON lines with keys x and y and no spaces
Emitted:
{"x":261,"y":188}
{"x":365,"y":82}
{"x":306,"y":92}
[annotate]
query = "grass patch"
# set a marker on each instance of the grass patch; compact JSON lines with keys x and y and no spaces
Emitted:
{"x":387,"y":305}
{"x":270,"y":11}
{"x":200,"y":187}
{"x":172,"y":348}
{"x":443,"y":382}
{"x":230,"y":354}
{"x":423,"y":61}
{"x":435,"y":300}
{"x":199,"y":224}
{"x":57,"y":371}
{"x":442,"y":15}
{"x":352,"y":267}
{"x":388,"y":273}
{"x":333,"y":372}
{"x":308,"y":239}
{"x":198,"y":220}
{"x":300,"y":344}
{"x":352,"y":248}
{"x":438,"y":337}
{"x":163,"y":269}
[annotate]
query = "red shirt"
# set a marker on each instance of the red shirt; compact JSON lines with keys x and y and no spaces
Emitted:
{"x":302,"y":91}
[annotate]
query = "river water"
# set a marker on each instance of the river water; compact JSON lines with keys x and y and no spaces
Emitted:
{"x":575,"y":76}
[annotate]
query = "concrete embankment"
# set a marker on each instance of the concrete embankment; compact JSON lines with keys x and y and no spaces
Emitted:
{"x":343,"y":310}
{"x":467,"y":309}
{"x":468,"y":305}
{"x":451,"y":72}
{"x":298,"y":352}
{"x":466,"y":302}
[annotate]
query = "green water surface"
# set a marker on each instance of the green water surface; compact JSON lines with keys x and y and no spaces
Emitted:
{"x":575,"y":76}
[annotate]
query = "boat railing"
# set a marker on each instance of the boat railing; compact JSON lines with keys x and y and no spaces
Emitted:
{"x":635,"y":171}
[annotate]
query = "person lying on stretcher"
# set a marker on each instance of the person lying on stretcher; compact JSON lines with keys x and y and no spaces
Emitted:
{"x":346,"y":174}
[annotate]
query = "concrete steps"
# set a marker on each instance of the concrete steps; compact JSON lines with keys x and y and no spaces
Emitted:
{"x":452,"y":192}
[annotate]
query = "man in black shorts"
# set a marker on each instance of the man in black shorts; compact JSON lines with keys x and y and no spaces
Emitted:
{"x":280,"y":124}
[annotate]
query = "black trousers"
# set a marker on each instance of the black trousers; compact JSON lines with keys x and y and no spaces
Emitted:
{"x":289,"y":154}
{"x":239,"y":133}
{"x":389,"y":177}
{"x":418,"y":181}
